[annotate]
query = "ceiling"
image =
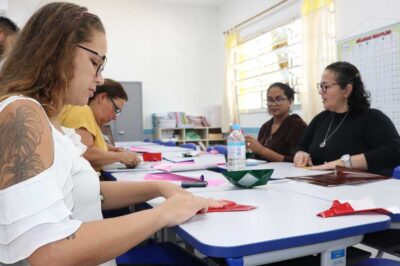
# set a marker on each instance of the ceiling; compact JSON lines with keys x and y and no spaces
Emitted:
{"x":210,"y":3}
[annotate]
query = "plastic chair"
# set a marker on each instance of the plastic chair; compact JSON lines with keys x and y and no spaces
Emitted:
{"x":169,"y":143}
{"x":219,"y":148}
{"x":384,"y":241}
{"x":378,"y":262}
{"x":189,"y":146}
{"x":396,"y":172}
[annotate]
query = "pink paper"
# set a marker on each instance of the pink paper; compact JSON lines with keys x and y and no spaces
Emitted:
{"x":215,"y":182}
{"x":175,"y":177}
{"x":139,"y":149}
{"x":168,"y":166}
{"x":170,"y":177}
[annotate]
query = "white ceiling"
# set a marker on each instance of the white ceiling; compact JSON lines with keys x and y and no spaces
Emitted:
{"x":210,"y":3}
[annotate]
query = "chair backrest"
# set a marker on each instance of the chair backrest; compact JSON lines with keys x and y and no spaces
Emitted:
{"x":189,"y":146}
{"x":396,"y":172}
{"x":219,"y":148}
{"x":169,"y":143}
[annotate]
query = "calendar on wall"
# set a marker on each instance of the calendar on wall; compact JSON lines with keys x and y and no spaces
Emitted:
{"x":377,"y":55}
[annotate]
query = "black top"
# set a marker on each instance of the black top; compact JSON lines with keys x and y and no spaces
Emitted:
{"x":370,"y":132}
{"x":285,"y":140}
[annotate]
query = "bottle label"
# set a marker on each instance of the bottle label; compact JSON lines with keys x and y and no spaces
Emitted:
{"x":236,"y":156}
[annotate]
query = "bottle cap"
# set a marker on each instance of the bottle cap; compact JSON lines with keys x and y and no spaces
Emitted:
{"x":235,"y":127}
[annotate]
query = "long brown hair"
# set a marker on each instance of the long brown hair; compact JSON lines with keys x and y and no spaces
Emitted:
{"x":41,"y":62}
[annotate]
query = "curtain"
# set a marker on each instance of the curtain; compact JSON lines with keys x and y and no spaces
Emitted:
{"x":319,"y":50}
{"x":229,"y":105}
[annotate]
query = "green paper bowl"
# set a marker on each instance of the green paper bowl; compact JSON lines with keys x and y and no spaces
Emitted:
{"x":248,"y":178}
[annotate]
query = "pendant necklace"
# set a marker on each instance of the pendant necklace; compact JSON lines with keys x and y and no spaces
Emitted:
{"x":327,"y":135}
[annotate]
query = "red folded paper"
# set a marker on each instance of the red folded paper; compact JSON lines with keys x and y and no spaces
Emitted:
{"x":152,"y":156}
{"x":231,"y":206}
{"x":345,"y":208}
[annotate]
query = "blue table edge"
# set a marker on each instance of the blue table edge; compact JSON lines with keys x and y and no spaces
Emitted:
{"x":291,"y":242}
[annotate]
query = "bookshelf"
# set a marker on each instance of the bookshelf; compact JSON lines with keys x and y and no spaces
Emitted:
{"x":207,"y":135}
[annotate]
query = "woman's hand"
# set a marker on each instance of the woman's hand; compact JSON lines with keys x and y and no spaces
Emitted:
{"x":302,"y":159}
{"x":253,"y":144}
{"x":327,"y":165}
{"x":181,"y":207}
{"x":130,"y":159}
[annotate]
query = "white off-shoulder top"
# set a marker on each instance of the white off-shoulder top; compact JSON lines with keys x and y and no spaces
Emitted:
{"x":51,"y":205}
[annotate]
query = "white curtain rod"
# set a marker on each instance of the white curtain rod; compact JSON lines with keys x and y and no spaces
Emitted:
{"x":241,"y":24}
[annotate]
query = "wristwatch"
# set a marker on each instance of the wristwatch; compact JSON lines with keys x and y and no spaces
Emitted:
{"x":346,"y":159}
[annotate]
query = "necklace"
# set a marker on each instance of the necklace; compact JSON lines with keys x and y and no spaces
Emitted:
{"x":327,"y":135}
{"x":268,"y":140}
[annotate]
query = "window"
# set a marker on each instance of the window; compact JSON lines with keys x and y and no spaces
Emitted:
{"x":272,"y":56}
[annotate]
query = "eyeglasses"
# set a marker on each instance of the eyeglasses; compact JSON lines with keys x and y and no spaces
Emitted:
{"x":117,"y":110}
{"x":101,"y":65}
{"x":323,"y":87}
{"x":277,"y":101}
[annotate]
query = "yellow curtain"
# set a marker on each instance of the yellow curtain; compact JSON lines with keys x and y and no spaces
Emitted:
{"x":318,"y":51}
{"x":229,"y":105}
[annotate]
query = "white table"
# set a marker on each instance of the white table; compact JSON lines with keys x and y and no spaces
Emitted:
{"x":284,"y":226}
{"x":283,"y":170}
{"x":385,"y":193}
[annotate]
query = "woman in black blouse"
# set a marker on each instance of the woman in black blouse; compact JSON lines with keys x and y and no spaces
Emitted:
{"x":278,"y":137}
{"x":348,"y":133}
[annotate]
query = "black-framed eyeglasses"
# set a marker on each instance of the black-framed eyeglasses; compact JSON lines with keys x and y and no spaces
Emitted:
{"x":117,"y":110}
{"x":102,"y":63}
{"x":323,"y":86}
{"x":276,"y":101}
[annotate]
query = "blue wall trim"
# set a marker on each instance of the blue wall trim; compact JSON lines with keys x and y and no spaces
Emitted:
{"x":148,"y":131}
{"x":251,"y":130}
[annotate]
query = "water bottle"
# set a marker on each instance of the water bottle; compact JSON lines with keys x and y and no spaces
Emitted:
{"x":236,"y":149}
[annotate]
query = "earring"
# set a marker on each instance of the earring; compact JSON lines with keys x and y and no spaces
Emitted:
{"x":346,"y":104}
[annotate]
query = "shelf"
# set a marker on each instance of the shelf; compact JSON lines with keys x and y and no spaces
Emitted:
{"x":208,"y":135}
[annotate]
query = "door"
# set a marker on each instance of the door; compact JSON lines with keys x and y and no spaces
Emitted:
{"x":129,"y":124}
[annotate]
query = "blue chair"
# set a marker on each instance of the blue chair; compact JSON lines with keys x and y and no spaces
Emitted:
{"x":396,"y":172}
{"x":147,"y":140}
{"x":189,"y":146}
{"x":169,"y":143}
{"x":219,"y":148}
{"x":378,"y":262}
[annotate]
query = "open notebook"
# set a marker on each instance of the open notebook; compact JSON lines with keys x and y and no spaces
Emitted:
{"x":341,"y":176}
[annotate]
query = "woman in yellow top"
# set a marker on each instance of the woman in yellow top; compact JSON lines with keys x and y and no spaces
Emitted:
{"x":105,"y":105}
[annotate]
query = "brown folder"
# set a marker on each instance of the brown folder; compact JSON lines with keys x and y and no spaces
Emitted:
{"x":341,"y":176}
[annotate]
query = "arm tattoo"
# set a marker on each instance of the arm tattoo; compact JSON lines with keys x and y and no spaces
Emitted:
{"x":20,"y":135}
{"x":70,"y":237}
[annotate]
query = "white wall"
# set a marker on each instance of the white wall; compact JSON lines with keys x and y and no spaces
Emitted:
{"x":172,"y":48}
{"x":355,"y":17}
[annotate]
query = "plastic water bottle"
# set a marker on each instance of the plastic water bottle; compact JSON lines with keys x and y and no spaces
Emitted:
{"x":236,"y":149}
